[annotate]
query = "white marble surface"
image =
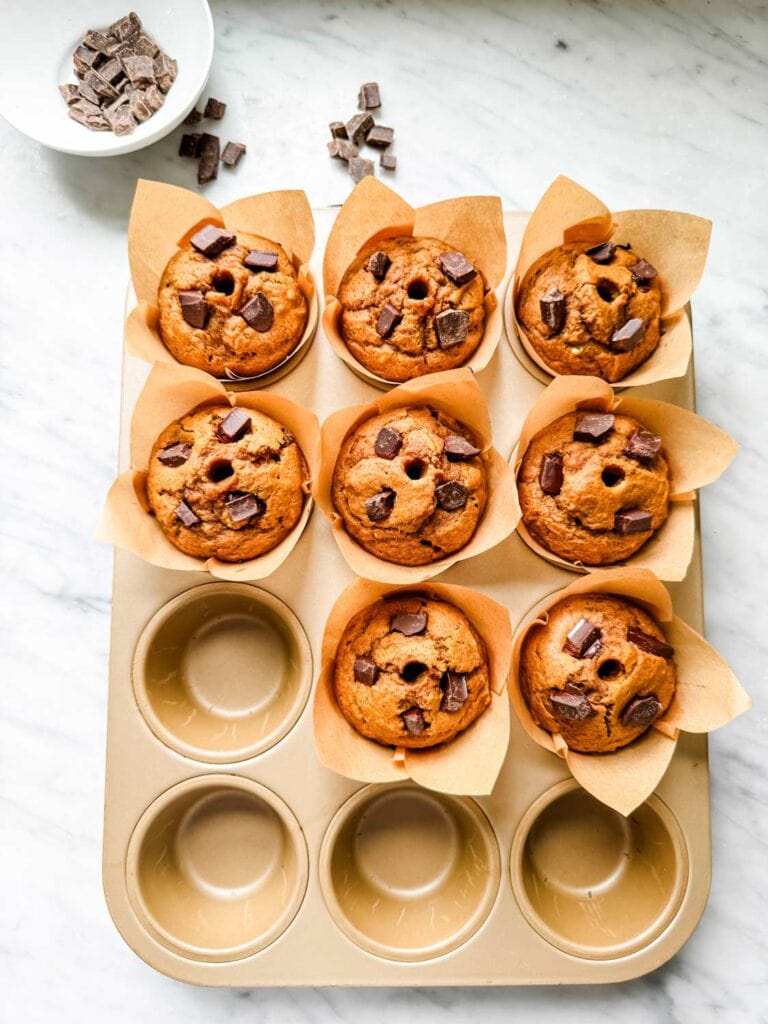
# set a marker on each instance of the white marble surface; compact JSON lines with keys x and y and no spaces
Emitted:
{"x":651,"y":104}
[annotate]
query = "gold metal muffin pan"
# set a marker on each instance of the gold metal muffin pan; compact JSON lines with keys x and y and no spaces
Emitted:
{"x":232,"y":857}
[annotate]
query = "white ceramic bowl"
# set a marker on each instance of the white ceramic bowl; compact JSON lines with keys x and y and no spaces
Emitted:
{"x":39,"y":37}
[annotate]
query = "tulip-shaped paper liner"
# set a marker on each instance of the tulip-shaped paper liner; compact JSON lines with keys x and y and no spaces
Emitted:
{"x":164,"y":217}
{"x":696,"y":451}
{"x":473,"y":225}
{"x":707,"y":694}
{"x":172,"y":391}
{"x":456,"y":393}
{"x":467,"y":765}
{"x":674,"y":243}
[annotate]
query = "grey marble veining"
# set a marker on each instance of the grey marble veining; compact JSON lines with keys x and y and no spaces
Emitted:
{"x":659,"y":104}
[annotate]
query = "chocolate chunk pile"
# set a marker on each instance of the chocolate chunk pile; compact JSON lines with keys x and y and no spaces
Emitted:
{"x":122,"y":78}
{"x":347,"y":137}
{"x":205,"y":147}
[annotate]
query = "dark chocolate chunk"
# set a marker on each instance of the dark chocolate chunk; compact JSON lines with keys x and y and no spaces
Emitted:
{"x":214,"y":109}
{"x":175,"y":454}
{"x":120,"y":120}
{"x":338,"y":130}
{"x":369,"y":97}
{"x":413,"y":720}
{"x":408,"y":623}
{"x":232,"y":153}
{"x":144,"y":46}
{"x":643,"y":272}
{"x":632,"y":520}
{"x":193,"y":117}
{"x":140,"y":70}
{"x":388,"y":161}
{"x":602,"y":253}
{"x":649,"y":644}
{"x":457,"y":267}
{"x":388,"y":443}
{"x":551,"y":473}
{"x":593,"y":427}
{"x":138,"y":107}
{"x":185,"y":514}
{"x":100,"y":85}
{"x":208,"y":168}
{"x":627,"y":337}
{"x":84,"y":59}
{"x":643,"y":445}
{"x":190,"y":144}
{"x":211,"y":240}
{"x":593,"y":650}
{"x":260,"y":259}
{"x":378,"y":264}
{"x":153,"y":98}
{"x":360,"y":168}
{"x":342,"y":149}
{"x":379,"y":507}
{"x":193,"y":308}
{"x":126,"y":27}
{"x":258,"y":313}
{"x":451,"y":327}
{"x":97,"y":41}
{"x":641,"y":711}
{"x":581,"y":638}
{"x":71,"y":94}
{"x":387,"y":320}
{"x":366,"y":670}
{"x":459,"y":449}
{"x":380,"y":136}
{"x":451,"y":495}
{"x":111,"y":71}
{"x":358,"y":127}
{"x":243,"y":505}
{"x":455,"y":692}
{"x":573,"y":707}
{"x":552,"y":309}
{"x":236,"y":424}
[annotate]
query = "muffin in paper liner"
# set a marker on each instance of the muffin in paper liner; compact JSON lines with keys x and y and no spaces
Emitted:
{"x":474,"y":225}
{"x":164,"y":217}
{"x":170,"y":392}
{"x":707,"y":694}
{"x":469,"y":764}
{"x":457,"y":393}
{"x":675,"y":243}
{"x":697,"y":453}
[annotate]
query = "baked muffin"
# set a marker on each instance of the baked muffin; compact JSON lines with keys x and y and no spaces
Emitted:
{"x":231,"y":304}
{"x":600,"y":672}
{"x":591,"y":309}
{"x":411,"y":306}
{"x":594,"y":487}
{"x":411,"y":672}
{"x":227,"y":483}
{"x":410,"y":485}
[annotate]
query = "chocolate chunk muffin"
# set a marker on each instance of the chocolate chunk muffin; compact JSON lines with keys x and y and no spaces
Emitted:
{"x":227,"y":483}
{"x":594,"y":487}
{"x":591,"y":309}
{"x":410,"y":485}
{"x":411,"y":306}
{"x":231,"y":304}
{"x":411,"y":672}
{"x":600,"y":672}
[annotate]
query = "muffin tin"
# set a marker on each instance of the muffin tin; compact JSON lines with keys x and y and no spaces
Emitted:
{"x":232,"y":857}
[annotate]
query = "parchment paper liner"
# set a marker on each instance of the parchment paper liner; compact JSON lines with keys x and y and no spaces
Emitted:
{"x":675,"y":243}
{"x":170,"y":392}
{"x":163,"y":217}
{"x":473,"y":225}
{"x":457,"y":393}
{"x":707,"y":696}
{"x":466,"y":766}
{"x":697,"y":452}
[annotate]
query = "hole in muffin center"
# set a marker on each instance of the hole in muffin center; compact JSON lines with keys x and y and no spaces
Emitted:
{"x":607,"y":291}
{"x":610,"y":668}
{"x":412,"y":671}
{"x":418,"y":290}
{"x":414,"y":468}
{"x":223,"y":282}
{"x":612,"y":475}
{"x":220,"y":470}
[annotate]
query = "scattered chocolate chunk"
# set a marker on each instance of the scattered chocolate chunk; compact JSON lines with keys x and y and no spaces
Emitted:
{"x":379,"y":507}
{"x":258,"y":313}
{"x":552,"y":309}
{"x":236,"y":424}
{"x":360,"y":168}
{"x":551,"y":473}
{"x":126,"y":27}
{"x":214,"y":109}
{"x":643,"y":272}
{"x":632,"y":520}
{"x":190,"y":144}
{"x":455,"y":691}
{"x":358,"y":127}
{"x":388,"y":161}
{"x":457,"y":267}
{"x":593,"y":427}
{"x":71,"y":94}
{"x":211,"y":239}
{"x":451,"y":327}
{"x":459,"y":449}
{"x":627,"y":337}
{"x":602,"y":253}
{"x":581,"y":638}
{"x":193,"y":308}
{"x":140,"y":70}
{"x":413,"y":720}
{"x":643,"y":445}
{"x":369,"y":97}
{"x":338,"y":130}
{"x":342,"y":149}
{"x":242,"y":505}
{"x":387,"y":320}
{"x":388,"y":443}
{"x":185,"y":514}
{"x":175,"y":454}
{"x":380,"y":136}
{"x":232,"y":153}
{"x":451,"y":495}
{"x":378,"y":264}
{"x":649,"y":644}
{"x":97,"y":41}
{"x":641,"y":711}
{"x":208,"y":168}
{"x":573,"y":707}
{"x":408,"y":623}
{"x":366,"y":670}
{"x":193,"y":117}
{"x":260,"y":259}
